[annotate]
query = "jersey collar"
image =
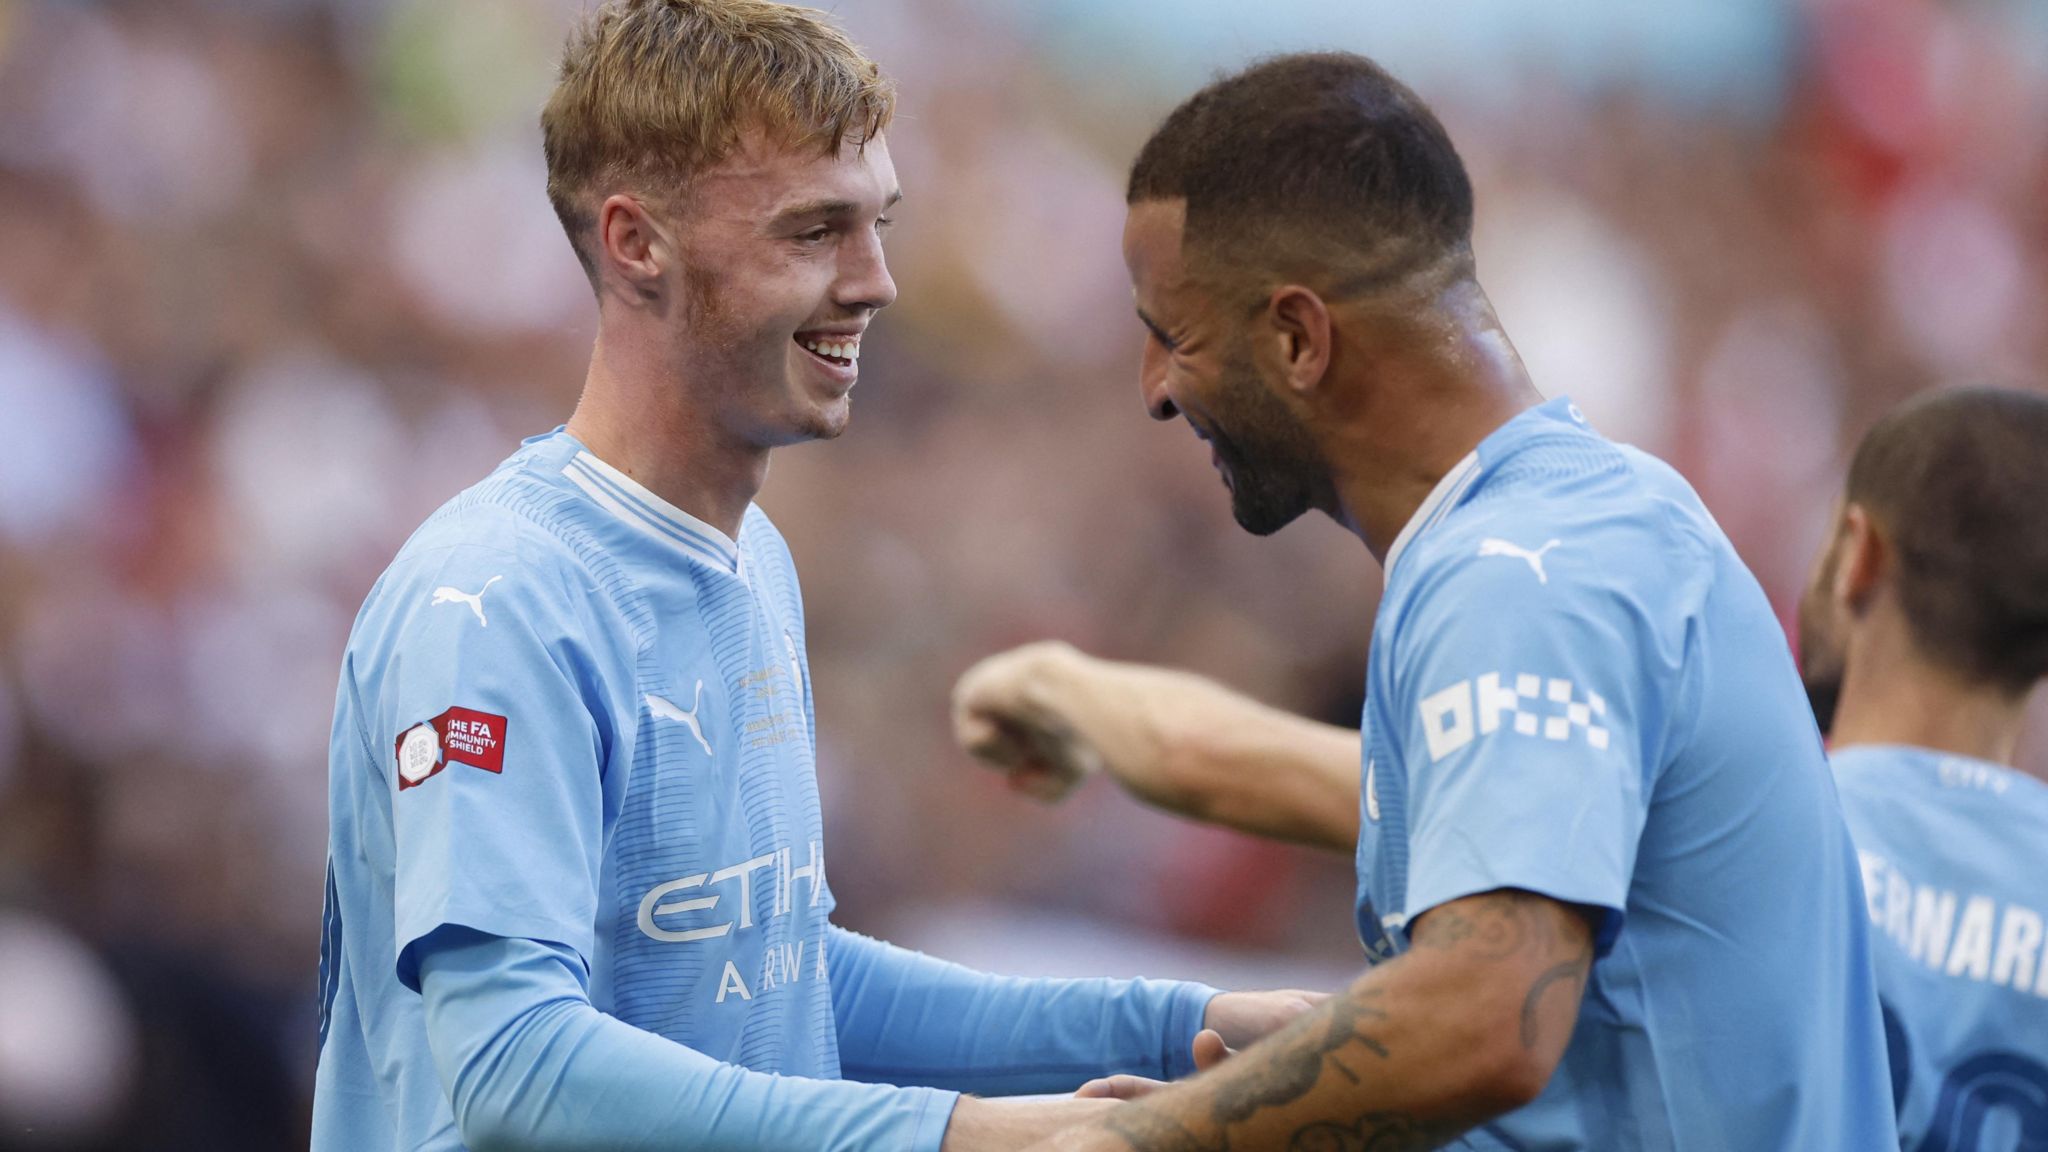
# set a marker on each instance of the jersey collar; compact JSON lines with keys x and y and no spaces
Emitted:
{"x":1435,"y":506}
{"x":1459,"y":480}
{"x":629,"y":500}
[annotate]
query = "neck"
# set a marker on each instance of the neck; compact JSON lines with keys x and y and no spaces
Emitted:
{"x":640,"y":415}
{"x":1893,"y":695}
{"x":1450,"y":381}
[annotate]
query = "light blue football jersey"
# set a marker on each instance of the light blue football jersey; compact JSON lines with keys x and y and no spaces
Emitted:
{"x":548,"y":636}
{"x":1576,"y":688}
{"x":1955,"y":866}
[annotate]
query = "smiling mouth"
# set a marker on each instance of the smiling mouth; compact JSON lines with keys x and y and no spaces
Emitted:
{"x":840,"y":351}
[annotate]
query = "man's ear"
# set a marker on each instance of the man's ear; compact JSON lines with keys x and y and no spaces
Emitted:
{"x":1299,"y":328}
{"x":631,"y":245}
{"x":1866,"y":559}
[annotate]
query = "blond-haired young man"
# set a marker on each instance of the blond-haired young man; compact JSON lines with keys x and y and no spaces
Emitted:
{"x":576,"y":890}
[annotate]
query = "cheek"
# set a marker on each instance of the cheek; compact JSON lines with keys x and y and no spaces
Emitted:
{"x":757,"y":295}
{"x":1192,"y":383}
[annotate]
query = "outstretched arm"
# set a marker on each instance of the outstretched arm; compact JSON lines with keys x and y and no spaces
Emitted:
{"x":908,"y":1018}
{"x":529,"y":1065}
{"x":1467,"y":1025}
{"x":1049,"y":715}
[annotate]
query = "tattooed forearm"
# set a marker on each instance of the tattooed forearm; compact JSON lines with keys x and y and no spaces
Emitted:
{"x":1298,"y":1053}
{"x":1296,"y":1059}
{"x":1494,"y":926}
{"x":1144,"y":1130}
{"x":1373,"y":1132}
{"x":1573,"y":970}
{"x":1418,"y":1051}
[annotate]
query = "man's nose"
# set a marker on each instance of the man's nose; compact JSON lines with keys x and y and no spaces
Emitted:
{"x":864,"y":279}
{"x":1152,"y":382}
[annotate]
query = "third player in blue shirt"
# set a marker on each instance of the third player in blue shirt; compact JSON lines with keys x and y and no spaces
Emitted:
{"x":1922,"y":634}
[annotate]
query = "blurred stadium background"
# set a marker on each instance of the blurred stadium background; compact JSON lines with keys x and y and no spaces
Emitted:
{"x":278,"y":276}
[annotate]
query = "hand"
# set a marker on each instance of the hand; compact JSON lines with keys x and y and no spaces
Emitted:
{"x":1240,"y":1018}
{"x":1017,"y":712}
{"x":1232,"y":1021}
{"x":1209,"y":1052}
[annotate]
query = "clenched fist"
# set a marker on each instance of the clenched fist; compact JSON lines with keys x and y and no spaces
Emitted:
{"x":1031,"y":713}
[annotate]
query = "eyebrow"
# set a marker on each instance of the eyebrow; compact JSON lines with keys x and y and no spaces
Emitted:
{"x":811,"y":208}
{"x":1158,"y":332}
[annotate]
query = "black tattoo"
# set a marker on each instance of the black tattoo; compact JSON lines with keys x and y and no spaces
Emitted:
{"x":1574,"y":969}
{"x":1297,"y":1061}
{"x":1495,"y":926}
{"x":1147,"y":1130}
{"x":1348,"y":1036}
{"x":1372,"y":1132}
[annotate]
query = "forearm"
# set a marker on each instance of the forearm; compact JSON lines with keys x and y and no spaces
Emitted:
{"x":1266,"y":772}
{"x":1008,"y":1125}
{"x":1415,"y":1052}
{"x":529,"y":1064}
{"x":1215,"y":755}
{"x":907,"y":1018}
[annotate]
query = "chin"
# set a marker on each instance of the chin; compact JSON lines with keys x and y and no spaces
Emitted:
{"x":830,"y":428}
{"x":1263,"y":511}
{"x":1263,"y":521}
{"x":819,"y":420}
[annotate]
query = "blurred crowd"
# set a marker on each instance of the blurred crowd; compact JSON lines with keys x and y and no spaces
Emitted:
{"x":277,"y":277}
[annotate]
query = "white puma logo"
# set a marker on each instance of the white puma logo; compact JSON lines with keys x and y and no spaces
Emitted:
{"x":667,"y":711}
{"x":1492,"y":546}
{"x":446,"y":595}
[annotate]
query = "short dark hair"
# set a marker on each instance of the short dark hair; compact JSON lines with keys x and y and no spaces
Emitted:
{"x":1959,"y":482}
{"x":1313,"y":161}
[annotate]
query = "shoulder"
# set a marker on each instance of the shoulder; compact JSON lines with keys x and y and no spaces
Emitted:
{"x":1575,"y":564}
{"x":473,"y":537}
{"x":1901,"y":778}
{"x":1568,"y":516}
{"x":494,"y":552}
{"x":1871,"y":784}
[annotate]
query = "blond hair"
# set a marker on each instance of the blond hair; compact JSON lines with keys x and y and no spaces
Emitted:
{"x":652,"y":92}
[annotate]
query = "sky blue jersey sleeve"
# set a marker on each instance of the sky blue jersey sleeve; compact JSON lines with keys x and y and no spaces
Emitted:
{"x":530,"y":1065}
{"x":1526,"y":709}
{"x":493,"y":731}
{"x":907,"y":1018}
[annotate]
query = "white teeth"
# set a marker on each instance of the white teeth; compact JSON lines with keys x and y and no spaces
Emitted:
{"x":843,"y":350}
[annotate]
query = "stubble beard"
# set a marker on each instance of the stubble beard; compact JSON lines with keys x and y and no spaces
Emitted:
{"x":743,"y":365}
{"x":1272,"y":462}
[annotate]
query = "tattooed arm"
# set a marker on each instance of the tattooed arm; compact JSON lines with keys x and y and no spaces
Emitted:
{"x":1468,"y":1024}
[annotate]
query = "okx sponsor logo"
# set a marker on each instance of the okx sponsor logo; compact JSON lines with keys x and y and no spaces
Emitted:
{"x":1546,"y":709}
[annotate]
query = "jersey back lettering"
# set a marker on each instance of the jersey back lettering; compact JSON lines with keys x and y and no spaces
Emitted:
{"x":1955,"y":869}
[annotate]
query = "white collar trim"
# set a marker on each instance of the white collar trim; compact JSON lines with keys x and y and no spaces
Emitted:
{"x":629,"y":500}
{"x":1435,"y":506}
